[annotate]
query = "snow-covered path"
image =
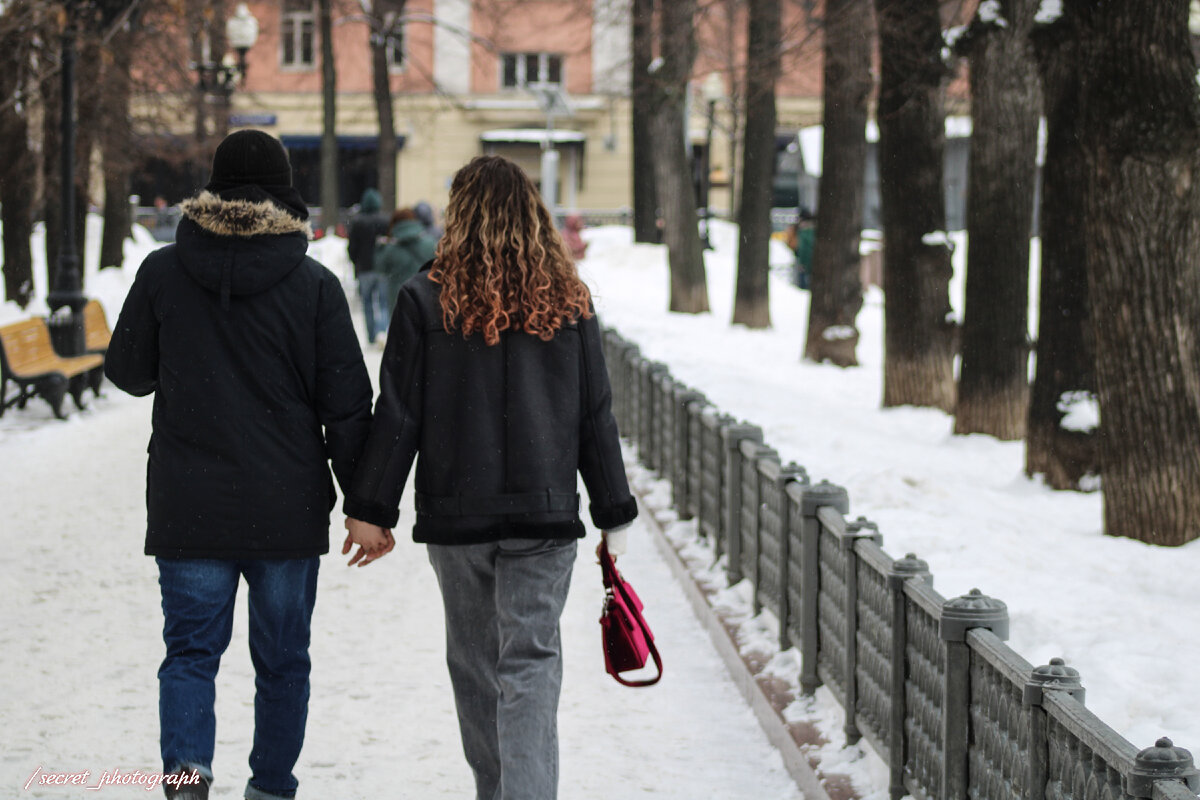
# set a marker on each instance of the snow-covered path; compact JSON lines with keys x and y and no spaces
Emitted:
{"x":80,"y":644}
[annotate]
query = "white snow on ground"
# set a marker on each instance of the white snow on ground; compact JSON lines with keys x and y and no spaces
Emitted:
{"x":1123,"y":613}
{"x":79,"y":641}
{"x":80,"y":644}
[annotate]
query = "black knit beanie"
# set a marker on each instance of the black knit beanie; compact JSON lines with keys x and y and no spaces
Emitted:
{"x":253,"y":165}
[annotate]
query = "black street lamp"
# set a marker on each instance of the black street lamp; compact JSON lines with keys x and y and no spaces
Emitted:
{"x":714,"y":91}
{"x":221,"y":77}
{"x":241,"y":31}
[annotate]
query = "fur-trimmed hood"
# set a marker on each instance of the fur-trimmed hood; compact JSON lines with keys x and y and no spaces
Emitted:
{"x":238,"y":247}
{"x":243,"y":218}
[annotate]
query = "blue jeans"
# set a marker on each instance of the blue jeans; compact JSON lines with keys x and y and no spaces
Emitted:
{"x":197,"y":601}
{"x":503,"y":601}
{"x":372,"y":288}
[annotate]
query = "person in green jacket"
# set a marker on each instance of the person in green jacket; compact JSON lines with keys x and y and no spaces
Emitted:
{"x":408,"y":248}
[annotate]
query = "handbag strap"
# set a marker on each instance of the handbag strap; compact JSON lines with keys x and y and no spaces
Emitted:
{"x":612,"y":580}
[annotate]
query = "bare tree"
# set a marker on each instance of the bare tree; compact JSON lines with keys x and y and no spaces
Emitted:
{"x":1006,"y":103}
{"x":835,"y":288}
{"x":386,"y":21}
{"x":18,"y":169}
{"x":645,"y":200}
{"x":116,"y":131}
{"x":329,"y":145}
{"x":1063,"y":453}
{"x":918,"y":336}
{"x":751,"y":304}
{"x":677,"y":198}
{"x":1140,"y":130}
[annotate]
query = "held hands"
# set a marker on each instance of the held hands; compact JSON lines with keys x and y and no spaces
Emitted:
{"x":373,"y":542}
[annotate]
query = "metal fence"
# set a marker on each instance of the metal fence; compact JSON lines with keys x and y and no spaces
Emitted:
{"x":927,"y":681}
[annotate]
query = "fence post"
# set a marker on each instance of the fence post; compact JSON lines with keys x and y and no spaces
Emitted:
{"x":731,"y":441}
{"x":788,"y":474}
{"x":972,"y":610}
{"x":756,"y":453}
{"x":633,"y":395}
{"x":1163,"y":762}
{"x":1058,"y":677}
{"x":815,"y":496}
{"x":908,"y":568}
{"x":685,"y":398}
{"x":861,"y":528}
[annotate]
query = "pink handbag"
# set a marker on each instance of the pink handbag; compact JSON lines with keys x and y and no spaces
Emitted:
{"x":627,"y":639}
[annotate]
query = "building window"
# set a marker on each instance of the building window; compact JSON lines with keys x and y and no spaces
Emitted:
{"x":395,"y":48}
{"x":297,"y":34}
{"x":521,"y":69}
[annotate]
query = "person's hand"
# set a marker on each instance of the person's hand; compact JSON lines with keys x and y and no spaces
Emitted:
{"x":373,"y":542}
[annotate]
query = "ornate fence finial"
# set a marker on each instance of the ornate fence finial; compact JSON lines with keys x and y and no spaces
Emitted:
{"x":973,"y":610}
{"x":1055,"y":675}
{"x":824,"y":494}
{"x":1164,"y":761}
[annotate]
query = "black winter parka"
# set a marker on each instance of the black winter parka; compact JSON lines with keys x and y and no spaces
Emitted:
{"x":503,"y":432}
{"x":258,"y":379}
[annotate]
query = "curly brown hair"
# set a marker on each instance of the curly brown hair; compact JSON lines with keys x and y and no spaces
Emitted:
{"x":501,"y":262}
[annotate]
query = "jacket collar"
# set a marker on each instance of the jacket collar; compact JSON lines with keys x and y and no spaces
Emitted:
{"x":242,"y":218}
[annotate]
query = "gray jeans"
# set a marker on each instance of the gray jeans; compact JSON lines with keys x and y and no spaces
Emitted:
{"x":503,"y":601}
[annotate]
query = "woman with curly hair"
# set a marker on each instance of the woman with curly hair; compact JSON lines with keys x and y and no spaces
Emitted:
{"x":493,"y":374}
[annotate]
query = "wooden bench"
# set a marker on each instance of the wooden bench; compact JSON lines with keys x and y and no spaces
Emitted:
{"x":97,"y":335}
{"x":27,"y":358}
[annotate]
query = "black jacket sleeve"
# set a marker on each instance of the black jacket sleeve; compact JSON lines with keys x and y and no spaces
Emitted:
{"x":131,"y":362}
{"x":374,"y":495}
{"x":600,"y":462}
{"x":343,"y":388}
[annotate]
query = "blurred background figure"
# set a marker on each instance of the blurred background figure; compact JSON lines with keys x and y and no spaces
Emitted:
{"x":407,"y":249}
{"x":572,"y":228}
{"x":801,"y":238}
{"x":428,"y":219}
{"x":367,"y":228}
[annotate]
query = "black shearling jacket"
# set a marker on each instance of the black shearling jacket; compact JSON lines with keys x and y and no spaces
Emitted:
{"x":258,"y":383}
{"x":503,"y":432}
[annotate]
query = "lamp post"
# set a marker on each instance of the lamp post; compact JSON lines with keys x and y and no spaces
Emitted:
{"x":714,"y":91}
{"x":221,"y":77}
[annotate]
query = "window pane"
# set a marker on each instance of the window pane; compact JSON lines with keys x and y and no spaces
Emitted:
{"x":301,"y":6}
{"x":306,"y":43}
{"x":554,"y":69}
{"x":532,"y":73}
{"x":510,"y":71}
{"x":396,"y":52}
{"x":288,"y":37}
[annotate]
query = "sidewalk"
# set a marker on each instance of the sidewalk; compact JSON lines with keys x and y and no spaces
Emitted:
{"x":80,"y":645}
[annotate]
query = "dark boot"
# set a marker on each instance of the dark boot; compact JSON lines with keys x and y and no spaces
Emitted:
{"x":186,"y":784}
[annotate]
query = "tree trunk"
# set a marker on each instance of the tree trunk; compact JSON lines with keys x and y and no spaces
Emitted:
{"x":918,"y":364}
{"x":835,"y":288}
{"x":1140,"y":127}
{"x":87,"y":92}
{"x":645,"y":201}
{"x":115,"y":135}
{"x":736,"y":108}
{"x":752,"y":300}
{"x":1006,"y":102}
{"x":1065,"y":363}
{"x":17,"y":165}
{"x":329,"y":146}
{"x":673,"y":174}
{"x":384,"y":22}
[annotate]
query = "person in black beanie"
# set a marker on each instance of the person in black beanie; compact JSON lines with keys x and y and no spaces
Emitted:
{"x":259,"y":385}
